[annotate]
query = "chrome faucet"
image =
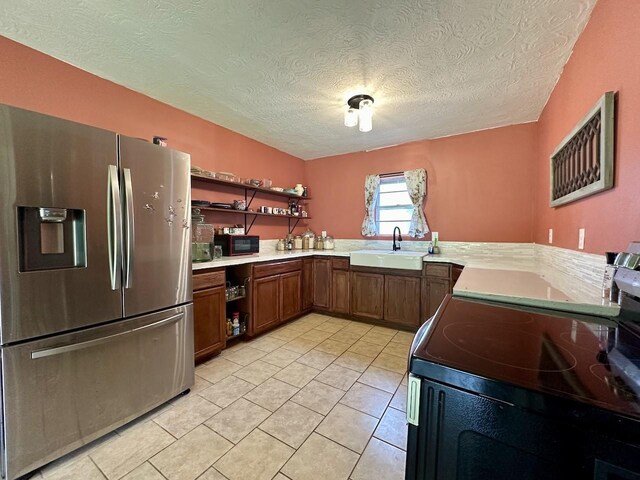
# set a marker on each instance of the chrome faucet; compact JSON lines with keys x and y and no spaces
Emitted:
{"x":396,"y":247}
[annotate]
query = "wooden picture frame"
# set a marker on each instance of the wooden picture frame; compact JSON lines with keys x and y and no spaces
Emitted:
{"x":582,"y":165}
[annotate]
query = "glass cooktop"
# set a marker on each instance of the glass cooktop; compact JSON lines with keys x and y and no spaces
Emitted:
{"x":591,"y":359}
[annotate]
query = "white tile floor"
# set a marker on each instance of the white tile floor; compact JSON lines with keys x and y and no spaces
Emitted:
{"x":320,"y":398}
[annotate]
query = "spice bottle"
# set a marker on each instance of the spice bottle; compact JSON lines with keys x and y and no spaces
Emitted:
{"x":236,"y":323}
{"x":229,"y":328}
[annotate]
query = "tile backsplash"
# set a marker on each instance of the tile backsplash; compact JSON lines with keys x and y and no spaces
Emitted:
{"x":587,"y":267}
{"x":584,"y":266}
{"x":485,"y":249}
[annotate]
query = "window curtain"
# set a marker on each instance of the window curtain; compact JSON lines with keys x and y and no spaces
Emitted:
{"x":417,"y":188}
{"x":371,"y":190}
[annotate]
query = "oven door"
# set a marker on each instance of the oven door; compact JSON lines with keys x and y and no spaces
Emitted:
{"x":461,"y":435}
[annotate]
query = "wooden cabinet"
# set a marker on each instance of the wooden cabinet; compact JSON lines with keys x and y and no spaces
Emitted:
{"x":277,"y":294}
{"x":402,"y":300}
{"x":322,"y":283}
{"x":340,"y":291}
{"x":340,"y":286}
{"x":266,"y":304}
{"x":209,"y":336}
{"x":290,"y":290}
{"x":437,"y":289}
{"x":307,"y":283}
{"x":367,"y":293}
{"x":438,"y":281}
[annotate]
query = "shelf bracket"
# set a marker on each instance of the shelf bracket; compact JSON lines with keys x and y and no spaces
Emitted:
{"x":247,"y":227}
{"x":291,"y":229}
{"x":247,"y":200}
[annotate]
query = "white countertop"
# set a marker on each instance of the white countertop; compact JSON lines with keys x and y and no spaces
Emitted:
{"x":511,"y":279}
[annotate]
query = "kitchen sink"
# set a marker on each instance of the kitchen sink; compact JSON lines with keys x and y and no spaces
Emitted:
{"x":388,"y":259}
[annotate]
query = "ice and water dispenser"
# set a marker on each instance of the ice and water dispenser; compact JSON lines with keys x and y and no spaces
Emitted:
{"x":51,"y":238}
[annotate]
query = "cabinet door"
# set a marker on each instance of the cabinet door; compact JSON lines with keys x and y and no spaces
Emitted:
{"x":208,"y":322}
{"x":307,"y":283}
{"x":367,"y":290}
{"x":266,"y":304}
{"x":340,"y":291}
{"x":402,"y":299}
{"x":322,"y":283}
{"x":437,"y":289}
{"x":290,"y":290}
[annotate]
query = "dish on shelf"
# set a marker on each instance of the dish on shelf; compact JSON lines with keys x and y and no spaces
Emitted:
{"x":277,"y":189}
{"x":253,"y":182}
{"x":229,"y":177}
{"x":200,"y":172}
{"x":239,"y":204}
{"x":221,"y":205}
{"x":200,"y":203}
{"x":291,"y":191}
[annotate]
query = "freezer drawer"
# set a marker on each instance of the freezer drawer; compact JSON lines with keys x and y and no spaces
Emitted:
{"x":64,"y":391}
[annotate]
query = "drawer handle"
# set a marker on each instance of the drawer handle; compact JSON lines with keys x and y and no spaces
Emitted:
{"x":49,"y":352}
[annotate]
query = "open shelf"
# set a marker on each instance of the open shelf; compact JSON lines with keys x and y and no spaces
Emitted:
{"x":249,"y":195}
{"x":236,"y":336}
{"x":244,"y":212}
{"x":246,"y":187}
{"x":244,"y":322}
{"x":245,"y":284}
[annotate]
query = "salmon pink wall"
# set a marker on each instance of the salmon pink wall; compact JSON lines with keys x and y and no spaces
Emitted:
{"x":34,"y":81}
{"x":605,"y":58}
{"x":478,"y":188}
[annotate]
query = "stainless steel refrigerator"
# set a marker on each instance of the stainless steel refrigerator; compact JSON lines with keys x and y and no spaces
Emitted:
{"x":96,"y":322}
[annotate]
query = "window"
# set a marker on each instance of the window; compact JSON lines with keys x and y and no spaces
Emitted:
{"x":394,"y":206}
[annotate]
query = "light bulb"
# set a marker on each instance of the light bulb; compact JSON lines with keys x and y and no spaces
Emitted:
{"x":350,"y":117}
{"x":365,"y":116}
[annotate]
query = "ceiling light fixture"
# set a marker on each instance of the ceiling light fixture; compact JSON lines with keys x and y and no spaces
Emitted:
{"x":359,"y":112}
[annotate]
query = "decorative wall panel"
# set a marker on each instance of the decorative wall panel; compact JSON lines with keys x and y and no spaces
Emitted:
{"x":583,"y":163}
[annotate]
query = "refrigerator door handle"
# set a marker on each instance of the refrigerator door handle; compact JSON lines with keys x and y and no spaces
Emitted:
{"x":49,"y":352}
{"x":114,"y":226}
{"x":130,"y":233}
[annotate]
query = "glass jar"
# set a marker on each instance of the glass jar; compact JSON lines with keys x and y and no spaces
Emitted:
{"x":319,"y":244}
{"x":297,"y":243}
{"x":280,"y":245}
{"x":308,"y":234}
{"x":202,"y":235}
{"x":329,"y":243}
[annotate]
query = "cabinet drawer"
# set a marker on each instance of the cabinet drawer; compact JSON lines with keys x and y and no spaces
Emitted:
{"x":441,"y":270}
{"x":208,"y":280}
{"x":268,"y":269}
{"x":340,"y":263}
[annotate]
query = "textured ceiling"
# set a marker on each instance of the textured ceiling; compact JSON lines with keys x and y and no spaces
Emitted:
{"x":280,"y":71}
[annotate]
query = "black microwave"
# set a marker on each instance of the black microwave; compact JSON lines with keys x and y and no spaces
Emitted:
{"x":237,"y":244}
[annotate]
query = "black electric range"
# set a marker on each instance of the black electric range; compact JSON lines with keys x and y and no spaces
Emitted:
{"x":504,"y":392}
